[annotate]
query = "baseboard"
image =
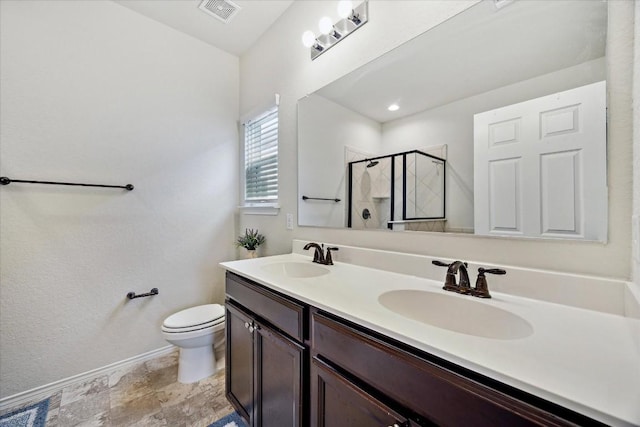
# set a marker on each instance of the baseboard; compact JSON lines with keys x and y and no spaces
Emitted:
{"x":46,"y":390}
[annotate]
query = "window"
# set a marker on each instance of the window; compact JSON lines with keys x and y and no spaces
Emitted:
{"x":261,"y":159}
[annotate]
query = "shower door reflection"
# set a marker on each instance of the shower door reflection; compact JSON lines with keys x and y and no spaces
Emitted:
{"x":425,"y":191}
{"x":395,"y":189}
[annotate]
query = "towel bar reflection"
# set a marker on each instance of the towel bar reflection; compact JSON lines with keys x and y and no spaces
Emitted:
{"x":320,"y":198}
{"x":6,"y":181}
{"x":132,"y":295}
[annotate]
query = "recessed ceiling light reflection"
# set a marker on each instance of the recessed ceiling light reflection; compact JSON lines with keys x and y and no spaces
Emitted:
{"x":393,"y":107}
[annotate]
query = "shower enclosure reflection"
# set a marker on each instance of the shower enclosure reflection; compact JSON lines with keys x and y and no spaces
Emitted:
{"x":400,"y":191}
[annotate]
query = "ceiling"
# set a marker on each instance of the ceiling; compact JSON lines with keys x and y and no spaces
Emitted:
{"x":244,"y":29}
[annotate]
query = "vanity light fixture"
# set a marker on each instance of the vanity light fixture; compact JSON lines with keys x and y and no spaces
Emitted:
{"x":345,"y":7}
{"x":325,"y":25}
{"x":330,"y":33}
{"x":309,"y":40}
{"x":393,"y":107}
{"x":327,"y":28}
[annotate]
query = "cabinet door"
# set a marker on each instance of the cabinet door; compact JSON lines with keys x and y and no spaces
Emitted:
{"x":239,"y":361}
{"x":278,"y":379}
{"x":336,"y":402}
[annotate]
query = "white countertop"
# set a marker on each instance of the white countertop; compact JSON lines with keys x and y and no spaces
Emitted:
{"x":581,"y":359}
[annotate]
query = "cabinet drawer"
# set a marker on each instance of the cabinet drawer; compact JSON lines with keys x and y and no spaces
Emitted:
{"x":283,"y":313}
{"x":438,"y":394}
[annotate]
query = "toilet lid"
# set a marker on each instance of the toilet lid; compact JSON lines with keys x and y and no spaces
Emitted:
{"x":194,"y":316}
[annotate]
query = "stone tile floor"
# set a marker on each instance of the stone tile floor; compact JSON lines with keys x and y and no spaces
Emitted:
{"x":145,"y":394}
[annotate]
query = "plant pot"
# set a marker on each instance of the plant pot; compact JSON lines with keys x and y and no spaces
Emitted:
{"x":251,"y":253}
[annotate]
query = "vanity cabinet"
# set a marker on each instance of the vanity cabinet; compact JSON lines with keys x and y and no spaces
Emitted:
{"x":426,"y":390}
{"x":291,"y":364}
{"x":265,"y":356}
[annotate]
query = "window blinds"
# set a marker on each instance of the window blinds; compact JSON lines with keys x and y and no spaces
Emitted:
{"x":261,"y":157}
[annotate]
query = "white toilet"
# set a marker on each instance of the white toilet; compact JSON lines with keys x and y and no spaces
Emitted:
{"x":193,"y":330}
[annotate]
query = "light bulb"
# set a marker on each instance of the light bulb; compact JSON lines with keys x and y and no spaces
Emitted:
{"x":344,"y":8}
{"x":393,"y":107}
{"x":325,"y":25}
{"x":308,"y":39}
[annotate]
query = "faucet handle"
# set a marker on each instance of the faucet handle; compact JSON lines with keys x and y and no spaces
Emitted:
{"x":482,"y":288}
{"x":439,"y":263}
{"x":327,"y":259}
{"x":498,"y":271}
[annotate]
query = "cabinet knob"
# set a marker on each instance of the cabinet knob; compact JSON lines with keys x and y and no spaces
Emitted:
{"x":246,"y":325}
{"x":251,"y":328}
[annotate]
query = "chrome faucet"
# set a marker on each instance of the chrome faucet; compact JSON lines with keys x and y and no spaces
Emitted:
{"x":318,"y":255}
{"x":450,"y":280}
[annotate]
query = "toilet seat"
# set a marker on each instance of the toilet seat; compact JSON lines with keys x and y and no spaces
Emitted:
{"x":195,"y":318}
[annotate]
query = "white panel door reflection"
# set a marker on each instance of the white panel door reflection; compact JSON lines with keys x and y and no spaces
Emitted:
{"x":540,"y":167}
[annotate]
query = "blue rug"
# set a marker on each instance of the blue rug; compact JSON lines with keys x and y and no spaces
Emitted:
{"x":29,"y":416}
{"x":232,"y":420}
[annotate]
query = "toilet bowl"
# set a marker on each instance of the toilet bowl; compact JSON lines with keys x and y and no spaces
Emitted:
{"x":193,"y":330}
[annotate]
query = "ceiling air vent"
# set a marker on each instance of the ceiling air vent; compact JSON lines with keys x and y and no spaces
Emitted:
{"x":499,"y":4}
{"x":224,"y":10}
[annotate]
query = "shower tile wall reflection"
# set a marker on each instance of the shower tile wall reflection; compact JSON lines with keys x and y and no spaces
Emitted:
{"x":425,"y":187}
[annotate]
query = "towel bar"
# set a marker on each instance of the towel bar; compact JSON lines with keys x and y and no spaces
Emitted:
{"x":132,"y":295}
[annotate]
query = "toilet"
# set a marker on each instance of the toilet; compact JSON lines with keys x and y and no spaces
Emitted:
{"x":196,"y":330}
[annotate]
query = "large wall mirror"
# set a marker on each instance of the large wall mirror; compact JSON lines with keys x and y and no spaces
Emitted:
{"x":491,"y":123}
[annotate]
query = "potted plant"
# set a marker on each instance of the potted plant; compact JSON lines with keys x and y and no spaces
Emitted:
{"x":250,"y":240}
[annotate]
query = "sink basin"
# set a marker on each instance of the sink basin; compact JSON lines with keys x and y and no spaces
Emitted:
{"x":296,"y":269}
{"x":455,"y":313}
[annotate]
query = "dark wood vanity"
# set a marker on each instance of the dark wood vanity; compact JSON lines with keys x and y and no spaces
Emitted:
{"x":291,"y":364}
{"x":266,"y":354}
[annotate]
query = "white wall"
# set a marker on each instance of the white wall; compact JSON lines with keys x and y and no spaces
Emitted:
{"x":324,"y":156}
{"x":452,"y":124}
{"x":93,"y":92}
{"x":279,"y":63}
{"x":636,"y":153}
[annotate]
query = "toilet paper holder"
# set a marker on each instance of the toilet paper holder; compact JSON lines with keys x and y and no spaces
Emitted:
{"x":132,"y":295}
